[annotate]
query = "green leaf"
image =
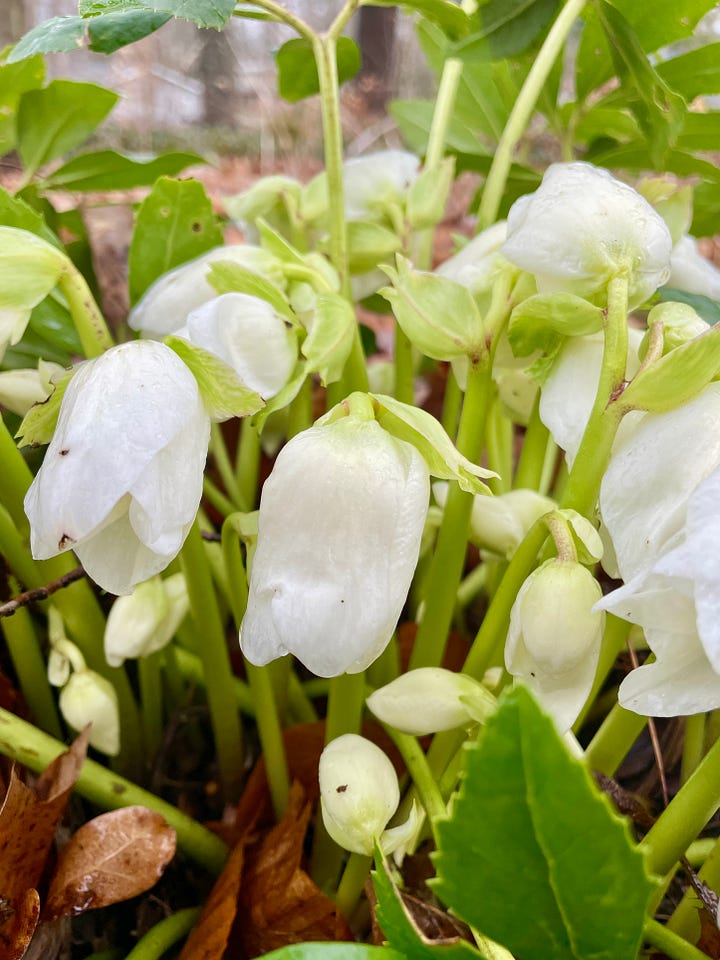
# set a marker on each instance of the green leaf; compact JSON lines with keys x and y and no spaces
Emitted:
{"x":448,"y":16}
{"x":635,"y":156}
{"x":15,"y":212}
{"x":328,"y":344}
{"x":108,"y":170}
{"x":297,"y":69}
{"x":58,"y":118}
{"x":603,"y":121}
{"x":227,"y":277}
{"x":701,"y":131}
{"x":284,"y":397}
{"x":205,"y":13}
{"x":58,"y":35}
{"x":16,"y":79}
{"x":707,"y":309}
{"x":414,"y":118}
{"x":38,"y":425}
{"x":694,"y":73}
{"x":334,"y":951}
{"x":507,"y":28}
{"x":539,"y":321}
{"x":223,"y":393}
{"x":370,"y":244}
{"x":112,"y":31}
{"x":51,"y":321}
{"x":400,"y":931}
{"x":175,"y":223}
{"x":533,"y":856}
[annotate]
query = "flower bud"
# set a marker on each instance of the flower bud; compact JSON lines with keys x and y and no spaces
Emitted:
{"x":89,"y":698}
{"x":554,"y":638}
{"x":680,"y":324}
{"x":581,"y":228}
{"x":340,"y":523}
{"x":359,"y":792}
{"x":431,"y":699}
{"x":21,"y":389}
{"x":145,"y":621}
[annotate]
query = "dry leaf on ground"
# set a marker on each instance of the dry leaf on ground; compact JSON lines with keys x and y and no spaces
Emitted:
{"x":279,"y":903}
{"x":111,"y":858}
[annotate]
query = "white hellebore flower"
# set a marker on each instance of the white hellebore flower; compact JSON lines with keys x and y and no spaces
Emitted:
{"x":376,"y":179}
{"x":341,"y":518}
{"x":145,"y":621}
{"x":554,"y":638}
{"x":691,"y":271}
{"x":249,"y":336}
{"x":122,"y":478}
{"x":581,"y":228}
{"x":164,"y":306}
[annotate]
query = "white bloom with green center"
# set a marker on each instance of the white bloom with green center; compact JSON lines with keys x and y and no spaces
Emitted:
{"x":377,"y":179}
{"x":340,"y":524}
{"x":581,"y":228}
{"x":122,"y":478}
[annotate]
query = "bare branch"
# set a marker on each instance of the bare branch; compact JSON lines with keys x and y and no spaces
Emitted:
{"x":41,"y":593}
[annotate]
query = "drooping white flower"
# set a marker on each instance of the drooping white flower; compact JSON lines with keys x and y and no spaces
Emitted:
{"x":165,"y":306}
{"x":691,"y":271}
{"x":581,"y":228}
{"x":122,"y":478}
{"x":249,"y":336}
{"x":145,"y":621}
{"x":341,"y":519}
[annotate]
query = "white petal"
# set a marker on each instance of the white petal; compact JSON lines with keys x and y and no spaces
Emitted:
{"x":377,"y":177}
{"x":691,"y":271}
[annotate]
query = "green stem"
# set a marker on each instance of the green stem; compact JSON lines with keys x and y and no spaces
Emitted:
{"x":614,"y":640}
{"x":610,"y":745}
{"x":151,"y":701}
{"x":89,"y":322}
{"x":285,"y":16}
{"x":165,"y":934}
{"x":29,"y":664}
{"x":217,"y":498}
{"x":528,"y":475}
{"x":23,"y":742}
{"x":225,"y":468}
{"x":213,"y":651}
{"x":300,"y":415}
{"x":15,"y":478}
{"x":449,"y":558}
{"x":685,"y":920}
{"x":403,"y":361}
{"x":418,"y":768}
{"x":670,"y":943}
{"x":271,"y":738}
{"x":452,"y":402}
{"x":352,"y":883}
{"x":191,"y":668}
{"x":499,"y":448}
{"x":247,"y":463}
{"x":693,"y":746}
{"x":15,"y":553}
{"x":522,"y":111}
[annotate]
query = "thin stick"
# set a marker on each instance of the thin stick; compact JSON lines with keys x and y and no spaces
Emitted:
{"x":40,"y":593}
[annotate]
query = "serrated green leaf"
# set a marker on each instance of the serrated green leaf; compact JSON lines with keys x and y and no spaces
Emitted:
{"x":16,"y":79}
{"x":533,"y":856}
{"x":224,"y":395}
{"x":175,"y":223}
{"x":334,"y":951}
{"x":205,"y":13}
{"x":227,"y":277}
{"x":506,"y":28}
{"x":108,"y":170}
{"x":399,"y":929}
{"x":15,"y":212}
{"x":58,"y":35}
{"x":112,"y":31}
{"x":328,"y":344}
{"x":58,"y":118}
{"x":38,"y":425}
{"x":537,"y":322}
{"x":297,"y":69}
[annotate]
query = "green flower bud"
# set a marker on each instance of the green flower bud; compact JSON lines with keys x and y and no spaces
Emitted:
{"x":680,"y":324}
{"x":89,"y":698}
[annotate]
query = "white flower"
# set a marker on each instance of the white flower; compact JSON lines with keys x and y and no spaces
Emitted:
{"x":164,"y":307}
{"x":341,"y":518}
{"x":145,"y":621}
{"x":89,"y":698}
{"x":477,"y":263}
{"x":376,"y":179}
{"x":249,"y":336}
{"x":122,"y":478}
{"x":581,"y":228}
{"x":691,"y":271}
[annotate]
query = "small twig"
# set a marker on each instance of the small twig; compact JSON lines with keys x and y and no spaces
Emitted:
{"x":654,"y":739}
{"x":40,"y":593}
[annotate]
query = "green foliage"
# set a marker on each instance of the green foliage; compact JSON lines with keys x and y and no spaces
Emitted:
{"x":38,"y":426}
{"x":175,"y":223}
{"x":506,"y":28}
{"x":103,"y":34}
{"x":15,"y":212}
{"x":15,"y":80}
{"x":533,"y":856}
{"x":540,"y":322}
{"x":223,"y":393}
{"x":108,"y":170}
{"x":227,"y":277}
{"x":330,"y":340}
{"x":449,"y":17}
{"x":297,"y":69}
{"x":205,"y":13}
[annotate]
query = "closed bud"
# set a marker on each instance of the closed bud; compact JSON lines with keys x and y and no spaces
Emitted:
{"x":554,"y":638}
{"x":429,"y":700}
{"x":145,"y":621}
{"x":21,"y":389}
{"x":680,"y":323}
{"x":89,"y":698}
{"x":359,"y":792}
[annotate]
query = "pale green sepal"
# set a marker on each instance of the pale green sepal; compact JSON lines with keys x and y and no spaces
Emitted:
{"x":264,"y":198}
{"x":370,"y":244}
{"x":680,"y":323}
{"x":439,"y":316}
{"x":38,"y":425}
{"x":329,"y":342}
{"x":284,"y":397}
{"x":677,"y":377}
{"x":673,"y":203}
{"x":427,"y":197}
{"x":427,"y":435}
{"x":586,"y":538}
{"x":276,"y":244}
{"x":314,"y":200}
{"x":227,"y":277}
{"x":224,"y":395}
{"x":538,"y":322}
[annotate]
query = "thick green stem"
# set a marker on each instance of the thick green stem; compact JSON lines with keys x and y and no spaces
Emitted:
{"x":403,"y":361}
{"x":271,"y":737}
{"x":225,"y":467}
{"x":610,"y":745}
{"x":452,"y":402}
{"x":685,"y":921}
{"x":352,"y":883}
{"x":89,"y":322}
{"x":23,"y":742}
{"x":213,"y":651}
{"x":670,"y":943}
{"x":693,"y":746}
{"x":531,"y":463}
{"x":151,"y":701}
{"x":522,"y":111}
{"x":418,"y":768}
{"x":190,"y":666}
{"x":614,"y":640}
{"x":449,"y":558}
{"x":15,"y":478}
{"x":247,"y":463}
{"x":164,"y":935}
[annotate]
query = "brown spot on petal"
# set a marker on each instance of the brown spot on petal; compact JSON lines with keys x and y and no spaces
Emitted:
{"x":64,"y":453}
{"x":64,"y":540}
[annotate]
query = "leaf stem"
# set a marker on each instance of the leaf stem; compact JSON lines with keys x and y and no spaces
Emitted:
{"x":27,"y":659}
{"x":165,"y":934}
{"x":419,"y":770}
{"x":352,"y":882}
{"x":670,"y":943}
{"x":528,"y":475}
{"x":225,"y":468}
{"x":89,"y":322}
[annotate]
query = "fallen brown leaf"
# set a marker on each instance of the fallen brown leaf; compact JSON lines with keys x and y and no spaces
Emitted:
{"x":28,"y":820}
{"x":279,"y":903}
{"x":109,"y":859}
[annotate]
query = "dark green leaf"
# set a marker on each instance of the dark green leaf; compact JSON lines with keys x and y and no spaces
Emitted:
{"x":701,"y":131}
{"x":414,"y":118}
{"x":707,"y":309}
{"x":108,"y":170}
{"x":399,"y":929}
{"x":450,"y":17}
{"x":58,"y":118}
{"x":333,"y":951}
{"x":112,"y":31}
{"x":533,"y":856}
{"x":706,"y":209}
{"x":297,"y":69}
{"x":603,"y":121}
{"x":51,"y":321}
{"x":15,"y":212}
{"x":636,"y":157}
{"x":52,"y":36}
{"x":506,"y":28}
{"x":226,"y":277}
{"x":694,"y":73}
{"x":16,"y":79}
{"x":175,"y":223}
{"x":205,"y":13}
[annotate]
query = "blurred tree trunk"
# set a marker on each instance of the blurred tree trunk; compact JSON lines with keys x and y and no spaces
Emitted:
{"x":216,"y":70}
{"x":12,"y":21}
{"x":376,"y":37}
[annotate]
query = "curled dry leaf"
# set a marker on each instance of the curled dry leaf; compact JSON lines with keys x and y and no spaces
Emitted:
{"x":28,"y":820}
{"x":111,"y":858}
